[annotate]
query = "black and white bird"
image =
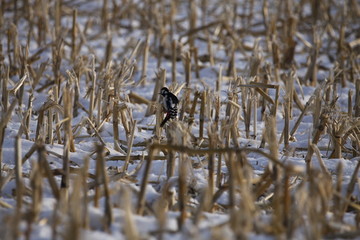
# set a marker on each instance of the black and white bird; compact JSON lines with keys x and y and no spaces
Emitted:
{"x":169,"y":103}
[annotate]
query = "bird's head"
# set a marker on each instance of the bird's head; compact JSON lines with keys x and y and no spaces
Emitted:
{"x":164,"y":91}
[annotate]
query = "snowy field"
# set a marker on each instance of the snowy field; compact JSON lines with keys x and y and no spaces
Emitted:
{"x":265,"y":145}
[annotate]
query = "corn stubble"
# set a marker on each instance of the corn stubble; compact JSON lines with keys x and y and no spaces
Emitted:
{"x":294,"y":199}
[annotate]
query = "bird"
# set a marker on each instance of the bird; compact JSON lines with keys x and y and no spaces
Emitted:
{"x":169,"y":103}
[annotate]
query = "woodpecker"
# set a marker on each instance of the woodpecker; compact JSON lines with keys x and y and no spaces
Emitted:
{"x":169,"y":103}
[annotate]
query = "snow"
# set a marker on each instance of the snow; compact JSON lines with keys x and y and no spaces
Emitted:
{"x":211,"y":224}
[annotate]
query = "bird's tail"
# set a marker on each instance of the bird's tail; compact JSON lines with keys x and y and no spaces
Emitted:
{"x":168,"y":116}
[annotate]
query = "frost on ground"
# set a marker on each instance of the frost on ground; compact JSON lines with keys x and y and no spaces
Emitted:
{"x":266,"y":143}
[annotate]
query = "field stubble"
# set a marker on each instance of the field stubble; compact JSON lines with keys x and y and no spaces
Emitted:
{"x":247,"y":74}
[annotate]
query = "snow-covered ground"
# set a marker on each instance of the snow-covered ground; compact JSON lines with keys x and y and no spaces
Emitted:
{"x":125,"y":28}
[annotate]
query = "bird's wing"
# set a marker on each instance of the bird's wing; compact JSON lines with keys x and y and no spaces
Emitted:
{"x":169,"y":104}
{"x":174,"y":99}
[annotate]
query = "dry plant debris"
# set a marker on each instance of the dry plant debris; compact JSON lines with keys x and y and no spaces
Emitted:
{"x":266,"y":143}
